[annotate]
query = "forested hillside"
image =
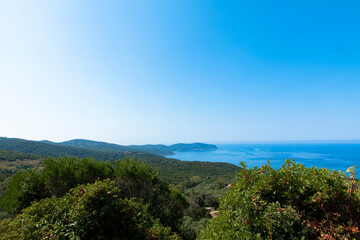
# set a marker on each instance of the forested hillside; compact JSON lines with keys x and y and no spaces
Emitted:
{"x":110,"y":147}
{"x":49,"y":149}
{"x":158,"y":149}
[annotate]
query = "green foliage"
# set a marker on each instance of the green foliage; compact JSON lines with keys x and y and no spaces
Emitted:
{"x":194,"y":180}
{"x":292,"y":202}
{"x":62,"y":174}
{"x":24,"y":187}
{"x":202,"y":197}
{"x":168,"y":204}
{"x":94,"y":211}
{"x":58,"y":176}
{"x":137,"y":179}
{"x":190,"y":227}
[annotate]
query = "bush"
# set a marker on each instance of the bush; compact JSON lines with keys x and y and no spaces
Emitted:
{"x":134,"y":179}
{"x":62,"y":174}
{"x":23,"y":188}
{"x":58,"y":176}
{"x":94,"y":211}
{"x":139,"y":180}
{"x":292,"y":202}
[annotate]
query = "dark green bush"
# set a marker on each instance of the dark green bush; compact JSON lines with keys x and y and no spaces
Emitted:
{"x":62,"y":174}
{"x":23,"y":188}
{"x":139,"y":180}
{"x":134,"y":179}
{"x":94,"y":211}
{"x":58,"y":176}
{"x":292,"y":202}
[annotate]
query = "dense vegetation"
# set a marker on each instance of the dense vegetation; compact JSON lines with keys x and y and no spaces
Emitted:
{"x":153,"y":203}
{"x":93,"y":211}
{"x":293,"y":202}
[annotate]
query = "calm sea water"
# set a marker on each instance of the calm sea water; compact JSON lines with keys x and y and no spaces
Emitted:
{"x":329,"y":155}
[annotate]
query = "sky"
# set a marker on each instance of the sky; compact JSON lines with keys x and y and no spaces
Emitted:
{"x":136,"y":72}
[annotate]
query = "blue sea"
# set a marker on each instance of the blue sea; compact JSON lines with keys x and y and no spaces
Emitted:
{"x":335,"y":156}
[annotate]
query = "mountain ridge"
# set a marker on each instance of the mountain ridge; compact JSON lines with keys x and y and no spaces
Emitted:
{"x":158,"y":149}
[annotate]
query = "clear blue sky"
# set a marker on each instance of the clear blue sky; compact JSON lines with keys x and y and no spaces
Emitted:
{"x":134,"y":72}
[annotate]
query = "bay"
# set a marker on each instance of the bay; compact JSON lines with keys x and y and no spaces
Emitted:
{"x":335,"y":156}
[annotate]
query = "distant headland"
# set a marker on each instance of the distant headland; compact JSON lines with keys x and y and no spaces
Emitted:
{"x":192,"y":147}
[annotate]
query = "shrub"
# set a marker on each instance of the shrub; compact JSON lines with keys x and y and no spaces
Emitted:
{"x":135,"y":179}
{"x":94,"y":211}
{"x":62,"y":174}
{"x":23,"y":188}
{"x":139,"y":180}
{"x":292,"y":202}
{"x":58,"y":176}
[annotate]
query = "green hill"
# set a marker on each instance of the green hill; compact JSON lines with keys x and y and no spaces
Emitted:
{"x":110,"y":147}
{"x":158,"y":149}
{"x":153,"y":148}
{"x":55,"y":150}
